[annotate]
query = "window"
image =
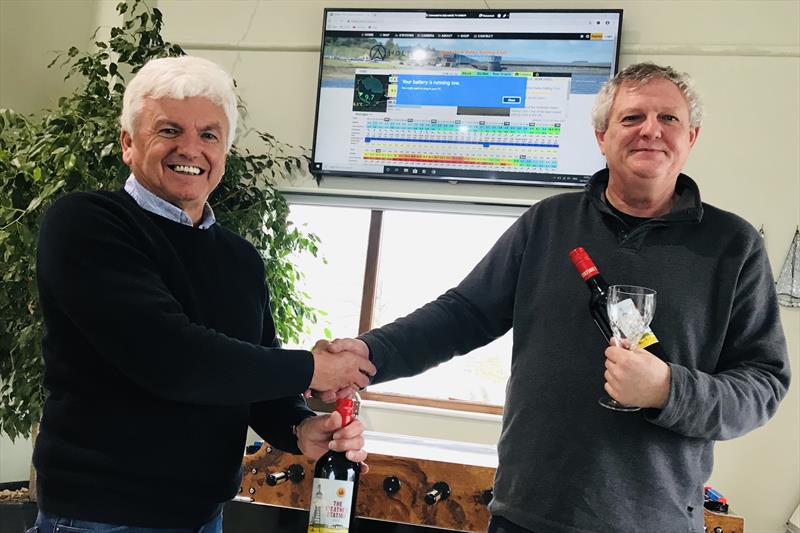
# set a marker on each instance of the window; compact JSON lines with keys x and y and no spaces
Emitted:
{"x":422,"y":254}
{"x":334,"y":283}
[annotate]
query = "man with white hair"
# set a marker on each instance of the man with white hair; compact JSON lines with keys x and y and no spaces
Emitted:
{"x":159,"y":344}
{"x":566,"y":465}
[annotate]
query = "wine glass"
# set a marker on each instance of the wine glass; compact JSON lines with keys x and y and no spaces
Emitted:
{"x":630,"y":310}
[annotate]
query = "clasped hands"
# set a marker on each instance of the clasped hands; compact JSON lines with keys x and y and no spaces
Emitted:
{"x":341,"y":368}
{"x":636,"y":377}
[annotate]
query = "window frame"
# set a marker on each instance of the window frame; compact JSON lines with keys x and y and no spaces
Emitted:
{"x":377,"y":208}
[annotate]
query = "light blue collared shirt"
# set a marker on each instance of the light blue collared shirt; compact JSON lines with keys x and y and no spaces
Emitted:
{"x":150,"y":202}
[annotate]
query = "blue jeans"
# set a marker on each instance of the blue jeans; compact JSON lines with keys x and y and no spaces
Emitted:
{"x":46,"y":523}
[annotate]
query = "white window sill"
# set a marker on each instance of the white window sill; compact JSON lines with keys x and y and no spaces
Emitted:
{"x":432,"y":411}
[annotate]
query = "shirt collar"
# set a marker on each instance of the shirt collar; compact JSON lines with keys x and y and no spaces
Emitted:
{"x":154,"y":204}
{"x":687,"y":207}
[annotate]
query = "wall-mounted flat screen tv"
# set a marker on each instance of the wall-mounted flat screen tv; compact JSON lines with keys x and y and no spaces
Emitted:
{"x":466,"y":96}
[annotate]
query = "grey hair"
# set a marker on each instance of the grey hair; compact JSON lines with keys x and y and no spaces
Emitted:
{"x":640,"y":74}
{"x":180,"y":77}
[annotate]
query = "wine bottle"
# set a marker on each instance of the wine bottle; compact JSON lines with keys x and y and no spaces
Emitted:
{"x":333,"y":493}
{"x":598,"y":300}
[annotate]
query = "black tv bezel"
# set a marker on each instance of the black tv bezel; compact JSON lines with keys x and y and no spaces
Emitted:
{"x":322,"y":173}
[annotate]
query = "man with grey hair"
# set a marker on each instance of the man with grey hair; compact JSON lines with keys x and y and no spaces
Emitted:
{"x":567,"y":465}
{"x":160,"y":348}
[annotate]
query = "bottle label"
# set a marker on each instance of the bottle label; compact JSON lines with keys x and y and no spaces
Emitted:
{"x":629,"y":322}
{"x":648,"y":339}
{"x":331,"y":502}
{"x":589,"y":272}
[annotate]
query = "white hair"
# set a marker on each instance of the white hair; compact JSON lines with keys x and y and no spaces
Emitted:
{"x":179,"y":78}
{"x":642,"y":73}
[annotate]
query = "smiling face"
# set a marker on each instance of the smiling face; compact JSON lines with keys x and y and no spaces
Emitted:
{"x":178,"y":150}
{"x":649,"y":136}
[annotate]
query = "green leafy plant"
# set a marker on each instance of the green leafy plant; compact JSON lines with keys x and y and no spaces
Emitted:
{"x":75,"y":147}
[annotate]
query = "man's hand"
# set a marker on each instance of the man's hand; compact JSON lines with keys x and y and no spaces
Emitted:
{"x":340,"y":370}
{"x":357,"y":346}
{"x":318,"y":434}
{"x":636,"y":377}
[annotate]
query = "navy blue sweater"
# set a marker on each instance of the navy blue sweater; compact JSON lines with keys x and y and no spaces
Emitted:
{"x":159,"y":349}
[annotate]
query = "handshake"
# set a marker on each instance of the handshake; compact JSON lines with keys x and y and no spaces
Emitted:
{"x":341,"y":368}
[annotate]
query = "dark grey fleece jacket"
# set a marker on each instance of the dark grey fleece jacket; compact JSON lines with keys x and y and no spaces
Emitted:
{"x":567,"y":464}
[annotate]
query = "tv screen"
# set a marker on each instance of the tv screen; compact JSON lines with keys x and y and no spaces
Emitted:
{"x":467,"y":96}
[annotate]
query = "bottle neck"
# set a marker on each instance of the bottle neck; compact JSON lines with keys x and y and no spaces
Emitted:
{"x":348,"y":408}
{"x":345,"y":408}
{"x":596,"y":283}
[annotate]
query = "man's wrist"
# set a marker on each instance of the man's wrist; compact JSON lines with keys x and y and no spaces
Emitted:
{"x":369,"y":351}
{"x":296,"y":427}
{"x":663,"y":390}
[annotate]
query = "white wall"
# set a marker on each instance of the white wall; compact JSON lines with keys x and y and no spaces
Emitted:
{"x":31,"y":34}
{"x":745,"y":56}
{"x":15,"y":459}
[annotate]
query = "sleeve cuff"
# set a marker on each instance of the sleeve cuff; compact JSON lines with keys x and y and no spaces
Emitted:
{"x":377,"y":350}
{"x":291,"y":440}
{"x":668,"y":415}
